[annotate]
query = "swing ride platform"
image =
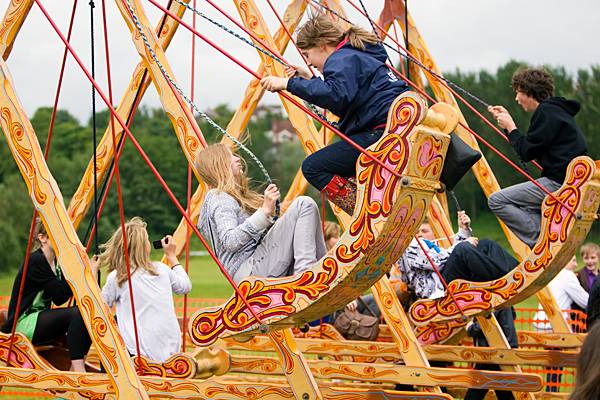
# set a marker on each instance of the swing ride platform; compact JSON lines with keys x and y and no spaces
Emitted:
{"x":249,"y":346}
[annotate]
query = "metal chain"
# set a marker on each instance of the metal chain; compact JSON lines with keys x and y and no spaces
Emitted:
{"x":261,"y":49}
{"x":189,"y":101}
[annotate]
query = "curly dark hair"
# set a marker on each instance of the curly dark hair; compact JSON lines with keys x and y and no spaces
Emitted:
{"x":534,"y":82}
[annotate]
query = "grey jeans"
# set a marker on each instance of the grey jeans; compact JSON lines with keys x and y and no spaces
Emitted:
{"x":519,"y":207}
{"x":293,"y":244}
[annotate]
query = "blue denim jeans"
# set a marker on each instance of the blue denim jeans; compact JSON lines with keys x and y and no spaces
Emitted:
{"x":338,"y":158}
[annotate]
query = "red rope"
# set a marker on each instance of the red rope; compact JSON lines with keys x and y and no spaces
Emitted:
{"x":291,"y":38}
{"x":437,"y":271}
{"x":119,"y":193}
{"x":147,"y":161}
{"x":283,"y":94}
{"x":122,"y":143}
{"x":34,"y":217}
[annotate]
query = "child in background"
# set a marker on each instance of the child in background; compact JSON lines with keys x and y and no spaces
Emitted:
{"x":590,"y":254}
{"x":153,"y":286}
{"x":357,"y":86}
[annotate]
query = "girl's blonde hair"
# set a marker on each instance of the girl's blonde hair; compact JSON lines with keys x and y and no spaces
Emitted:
{"x":322,"y":30}
{"x":138,"y":247}
{"x":214,"y":166}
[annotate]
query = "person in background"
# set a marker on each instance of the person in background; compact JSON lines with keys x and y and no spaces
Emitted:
{"x":593,"y":306}
{"x":590,"y":254}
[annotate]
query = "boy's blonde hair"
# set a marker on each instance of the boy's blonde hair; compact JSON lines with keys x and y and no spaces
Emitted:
{"x":214,"y":166}
{"x":589,"y":248}
{"x":322,"y":30}
{"x":138,"y":247}
{"x":332,"y":230}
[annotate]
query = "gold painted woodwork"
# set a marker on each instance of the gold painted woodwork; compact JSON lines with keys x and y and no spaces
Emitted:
{"x":47,"y":199}
{"x":390,"y":373}
{"x":98,"y":387}
{"x":11,"y":24}
{"x":294,"y":366}
{"x":550,"y":339}
{"x":388,"y":352}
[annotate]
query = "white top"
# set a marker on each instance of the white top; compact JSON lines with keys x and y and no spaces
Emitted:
{"x":158,"y":330}
{"x":566,"y":290}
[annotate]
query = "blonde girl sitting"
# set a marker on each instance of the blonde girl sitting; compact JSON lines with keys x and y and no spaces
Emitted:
{"x":240,"y":223}
{"x":153,"y":286}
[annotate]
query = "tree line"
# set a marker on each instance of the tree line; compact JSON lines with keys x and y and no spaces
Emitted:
{"x":72,"y":148}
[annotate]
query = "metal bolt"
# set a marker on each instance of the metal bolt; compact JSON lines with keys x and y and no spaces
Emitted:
{"x":264,"y":329}
{"x":305,"y":396}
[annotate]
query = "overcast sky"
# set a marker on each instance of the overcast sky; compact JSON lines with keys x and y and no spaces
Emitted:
{"x":465,"y":34}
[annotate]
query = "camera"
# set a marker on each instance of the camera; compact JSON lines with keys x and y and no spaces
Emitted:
{"x":157,"y":244}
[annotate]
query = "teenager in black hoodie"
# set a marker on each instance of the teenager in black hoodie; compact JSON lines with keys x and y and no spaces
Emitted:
{"x":553,"y":140}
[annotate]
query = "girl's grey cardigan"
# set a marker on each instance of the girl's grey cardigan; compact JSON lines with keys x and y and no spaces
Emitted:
{"x":234,"y":233}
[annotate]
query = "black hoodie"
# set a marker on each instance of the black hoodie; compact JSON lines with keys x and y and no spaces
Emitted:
{"x":553,"y":138}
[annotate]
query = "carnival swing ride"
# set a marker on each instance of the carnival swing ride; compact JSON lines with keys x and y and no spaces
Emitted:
{"x":398,"y":185}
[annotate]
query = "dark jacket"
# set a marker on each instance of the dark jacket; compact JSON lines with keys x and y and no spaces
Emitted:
{"x":583,"y":280}
{"x":593,"y":307}
{"x":553,"y":138}
{"x":357,"y":86}
{"x":506,"y":320}
{"x":39,"y":278}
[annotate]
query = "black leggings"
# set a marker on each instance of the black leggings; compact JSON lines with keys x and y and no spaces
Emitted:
{"x":54,"y":323}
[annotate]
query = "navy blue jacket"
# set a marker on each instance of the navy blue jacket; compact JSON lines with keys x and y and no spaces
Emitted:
{"x":553,"y":137}
{"x":357,"y":86}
